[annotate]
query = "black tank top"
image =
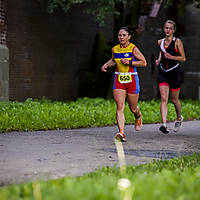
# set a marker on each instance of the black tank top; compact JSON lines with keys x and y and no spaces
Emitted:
{"x":168,"y":64}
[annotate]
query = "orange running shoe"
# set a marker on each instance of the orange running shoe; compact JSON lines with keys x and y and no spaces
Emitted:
{"x":138,"y":123}
{"x":120,"y":137}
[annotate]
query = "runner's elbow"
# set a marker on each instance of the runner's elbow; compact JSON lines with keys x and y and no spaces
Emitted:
{"x":183,"y":59}
{"x":144,"y":63}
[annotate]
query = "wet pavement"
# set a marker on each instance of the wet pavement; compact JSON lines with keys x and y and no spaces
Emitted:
{"x":28,"y":156}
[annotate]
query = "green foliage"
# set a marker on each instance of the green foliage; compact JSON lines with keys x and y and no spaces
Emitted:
{"x":85,"y":112}
{"x":151,"y":111}
{"x":183,"y":3}
{"x":100,"y":9}
{"x":103,"y":8}
{"x":177,"y":179}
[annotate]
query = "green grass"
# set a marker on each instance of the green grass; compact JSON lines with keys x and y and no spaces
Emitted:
{"x":86,"y":112}
{"x":175,"y":179}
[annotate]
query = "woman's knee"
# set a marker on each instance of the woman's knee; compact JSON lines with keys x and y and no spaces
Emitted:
{"x":164,"y":99}
{"x":174,"y":101}
{"x":120,"y":106}
{"x":134,"y":110}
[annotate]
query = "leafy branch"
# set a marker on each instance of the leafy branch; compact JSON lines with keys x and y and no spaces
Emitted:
{"x":100,"y":9}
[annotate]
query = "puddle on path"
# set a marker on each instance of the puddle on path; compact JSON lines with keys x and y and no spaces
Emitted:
{"x":162,"y":154}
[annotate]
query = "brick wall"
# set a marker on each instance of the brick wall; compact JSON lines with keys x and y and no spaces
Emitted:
{"x":48,"y":53}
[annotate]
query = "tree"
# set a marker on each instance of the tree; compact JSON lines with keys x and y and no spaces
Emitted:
{"x":100,"y":9}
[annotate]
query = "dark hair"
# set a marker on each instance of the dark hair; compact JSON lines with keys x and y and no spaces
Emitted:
{"x":125,"y":28}
{"x":129,"y":30}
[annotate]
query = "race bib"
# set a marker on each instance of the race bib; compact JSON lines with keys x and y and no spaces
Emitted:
{"x":125,"y":78}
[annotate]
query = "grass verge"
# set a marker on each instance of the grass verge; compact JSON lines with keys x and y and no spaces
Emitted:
{"x":86,"y":112}
{"x":175,"y":179}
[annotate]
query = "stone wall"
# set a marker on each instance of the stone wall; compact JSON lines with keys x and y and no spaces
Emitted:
{"x":4,"y":73}
{"x":4,"y":55}
{"x":49,"y":53}
{"x":3,"y":22}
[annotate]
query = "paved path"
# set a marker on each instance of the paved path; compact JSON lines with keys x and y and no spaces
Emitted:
{"x":29,"y":156}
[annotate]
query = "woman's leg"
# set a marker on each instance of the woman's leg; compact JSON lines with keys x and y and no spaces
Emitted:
{"x":133,"y":101}
{"x":119,"y":97}
{"x":164,"y":93}
{"x":174,"y":98}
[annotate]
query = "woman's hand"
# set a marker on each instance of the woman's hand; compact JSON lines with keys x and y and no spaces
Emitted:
{"x":104,"y":67}
{"x":157,"y":62}
{"x":168,"y":56}
{"x":110,"y":63}
{"x":124,"y":61}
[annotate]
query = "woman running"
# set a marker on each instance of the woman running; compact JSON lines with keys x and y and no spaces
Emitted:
{"x":170,"y":76}
{"x":126,"y":81}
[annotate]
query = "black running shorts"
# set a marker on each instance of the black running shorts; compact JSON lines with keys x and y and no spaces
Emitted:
{"x":173,"y":78}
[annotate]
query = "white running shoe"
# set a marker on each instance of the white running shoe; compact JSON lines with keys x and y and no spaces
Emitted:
{"x":178,"y":124}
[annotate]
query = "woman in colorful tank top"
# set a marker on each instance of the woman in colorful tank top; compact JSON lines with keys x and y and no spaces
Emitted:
{"x":170,"y":76}
{"x":127,"y":57}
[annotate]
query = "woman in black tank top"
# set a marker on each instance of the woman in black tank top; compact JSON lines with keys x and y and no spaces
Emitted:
{"x":170,"y":75}
{"x":165,"y":63}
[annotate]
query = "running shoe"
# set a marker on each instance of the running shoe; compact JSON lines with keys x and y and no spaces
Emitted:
{"x":120,"y":137}
{"x":178,"y":124}
{"x":138,"y":123}
{"x":163,"y":129}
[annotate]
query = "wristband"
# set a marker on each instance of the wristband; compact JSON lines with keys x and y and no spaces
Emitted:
{"x":130,"y":63}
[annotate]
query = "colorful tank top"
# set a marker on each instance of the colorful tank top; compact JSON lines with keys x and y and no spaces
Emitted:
{"x":126,"y":52}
